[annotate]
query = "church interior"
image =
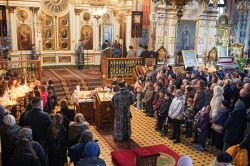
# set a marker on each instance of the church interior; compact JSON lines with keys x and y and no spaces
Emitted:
{"x":124,"y":82}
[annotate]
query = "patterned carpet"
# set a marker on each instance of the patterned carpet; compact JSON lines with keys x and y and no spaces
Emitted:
{"x":143,"y":134}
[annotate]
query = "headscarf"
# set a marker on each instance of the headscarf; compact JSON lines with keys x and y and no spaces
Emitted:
{"x":185,"y":161}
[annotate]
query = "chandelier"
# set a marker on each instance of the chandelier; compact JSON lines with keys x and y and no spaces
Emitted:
{"x":179,"y":5}
{"x":97,"y":13}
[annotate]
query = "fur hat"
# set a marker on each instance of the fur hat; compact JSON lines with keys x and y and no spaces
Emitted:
{"x":224,"y":157}
{"x":9,"y":120}
{"x":226,"y":103}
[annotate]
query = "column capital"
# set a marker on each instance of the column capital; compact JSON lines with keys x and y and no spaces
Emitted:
{"x":11,"y":9}
{"x":78,"y":11}
{"x":34,"y":9}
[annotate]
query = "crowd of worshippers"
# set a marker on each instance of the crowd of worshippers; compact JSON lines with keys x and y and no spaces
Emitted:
{"x":214,"y":106}
{"x":118,"y":51}
{"x":44,"y":137}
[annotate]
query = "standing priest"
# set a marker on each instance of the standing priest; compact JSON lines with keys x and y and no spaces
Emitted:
{"x":80,"y":54}
{"x":122,"y":101}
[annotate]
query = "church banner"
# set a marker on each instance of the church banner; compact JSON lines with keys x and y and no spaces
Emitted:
{"x":137,"y":21}
{"x":3,"y":30}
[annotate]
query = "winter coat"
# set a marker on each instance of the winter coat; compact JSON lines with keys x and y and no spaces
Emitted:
{"x":208,"y":97}
{"x":240,"y":157}
{"x":202,"y":123}
{"x":216,"y":102}
{"x":247,"y":100}
{"x":39,"y":152}
{"x":189,"y":113}
{"x":165,"y":108}
{"x":28,"y":160}
{"x":139,"y":87}
{"x":223,"y":116}
{"x":236,"y":95}
{"x":200,"y":99}
{"x":68,"y":116}
{"x":158,"y":104}
{"x":91,"y":161}
{"x":76,"y":152}
{"x":9,"y":139}
{"x":235,"y":125}
{"x":176,"y":110}
{"x":228,"y":91}
{"x":149,"y":95}
{"x":53,"y":89}
{"x":44,"y":96}
{"x":75,"y":132}
{"x":39,"y":122}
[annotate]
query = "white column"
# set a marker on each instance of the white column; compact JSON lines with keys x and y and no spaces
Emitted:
{"x":13,"y":31}
{"x":128,"y":31}
{"x":77,"y":25}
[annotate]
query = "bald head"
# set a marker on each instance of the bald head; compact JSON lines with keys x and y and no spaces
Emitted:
{"x":243,"y":93}
{"x":247,"y":86}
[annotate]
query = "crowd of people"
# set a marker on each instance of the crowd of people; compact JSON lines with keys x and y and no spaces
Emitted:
{"x":44,"y":137}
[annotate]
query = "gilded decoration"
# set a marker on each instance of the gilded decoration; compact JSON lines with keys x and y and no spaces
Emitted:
{"x":47,"y":60}
{"x":237,"y":50}
{"x":64,"y":59}
{"x":64,"y":32}
{"x":106,"y":18}
{"x":87,"y":36}
{"x":24,"y":36}
{"x":223,"y":27}
{"x":48,"y":33}
{"x":86,"y":16}
{"x":55,"y":6}
{"x":22,"y":15}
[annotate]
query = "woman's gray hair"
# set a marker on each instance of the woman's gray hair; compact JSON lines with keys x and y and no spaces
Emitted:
{"x":220,"y":83}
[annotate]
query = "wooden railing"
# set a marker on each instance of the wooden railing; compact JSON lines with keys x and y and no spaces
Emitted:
{"x":119,"y":67}
{"x":31,"y":69}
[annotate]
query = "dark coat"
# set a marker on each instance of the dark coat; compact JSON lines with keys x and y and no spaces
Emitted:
{"x":28,"y":160}
{"x":189,"y":113}
{"x":235,"y":125}
{"x":228,"y":93}
{"x":39,"y":152}
{"x":76,"y":152}
{"x":53,"y":89}
{"x":165,"y":107}
{"x":223,"y":116}
{"x":39,"y":122}
{"x":68,"y":116}
{"x":208,"y":97}
{"x":200,"y":99}
{"x":202,"y":123}
{"x":235,"y":95}
{"x":91,"y":161}
{"x":247,"y":100}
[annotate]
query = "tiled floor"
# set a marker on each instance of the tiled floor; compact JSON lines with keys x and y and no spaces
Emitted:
{"x":143,"y":134}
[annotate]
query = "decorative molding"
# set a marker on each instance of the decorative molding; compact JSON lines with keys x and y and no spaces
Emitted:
{"x":12,"y":9}
{"x":78,"y":11}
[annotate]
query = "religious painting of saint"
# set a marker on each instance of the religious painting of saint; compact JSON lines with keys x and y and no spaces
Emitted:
{"x":64,"y":33}
{"x":137,"y":20}
{"x":189,"y":57}
{"x":64,"y":22}
{"x":185,"y":36}
{"x":106,"y":18}
{"x":25,"y":38}
{"x":48,"y":22}
{"x":144,"y":39}
{"x":87,"y":37}
{"x":222,"y":51}
{"x":48,"y":33}
{"x":64,"y":45}
{"x":48,"y":45}
{"x":86,"y":16}
{"x":23,"y":15}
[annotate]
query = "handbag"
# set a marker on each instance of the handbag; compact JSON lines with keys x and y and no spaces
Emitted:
{"x":217,"y":128}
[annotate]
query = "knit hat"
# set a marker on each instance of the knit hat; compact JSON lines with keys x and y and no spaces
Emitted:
{"x":92,"y":149}
{"x":9,"y":120}
{"x":185,"y":161}
{"x":189,"y":89}
{"x":50,"y":82}
{"x":26,"y":133}
{"x":226,"y":103}
{"x":2,"y":110}
{"x":224,"y":157}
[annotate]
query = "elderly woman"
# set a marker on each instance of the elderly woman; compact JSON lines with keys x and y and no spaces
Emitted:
{"x":76,"y":128}
{"x":76,"y":152}
{"x":68,"y":114}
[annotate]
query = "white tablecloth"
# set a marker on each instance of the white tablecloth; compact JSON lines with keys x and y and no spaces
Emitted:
{"x":77,"y":101}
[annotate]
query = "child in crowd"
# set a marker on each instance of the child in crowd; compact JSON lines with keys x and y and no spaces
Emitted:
{"x":201,"y":128}
{"x":148,"y":99}
{"x":159,"y":103}
{"x":163,"y":114}
{"x":189,"y":117}
{"x":189,"y":92}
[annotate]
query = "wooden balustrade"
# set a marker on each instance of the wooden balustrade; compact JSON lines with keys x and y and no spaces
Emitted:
{"x":119,"y":67}
{"x":31,"y":69}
